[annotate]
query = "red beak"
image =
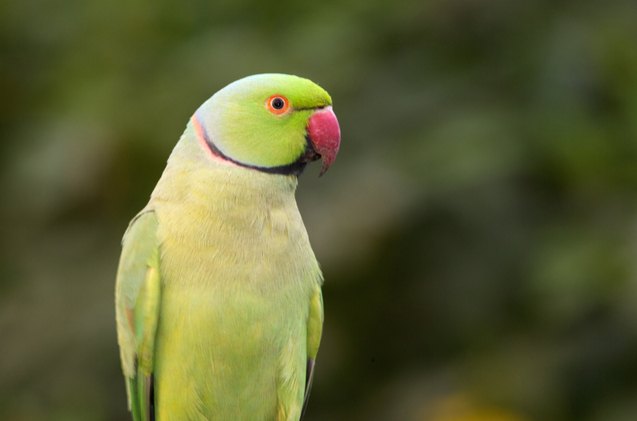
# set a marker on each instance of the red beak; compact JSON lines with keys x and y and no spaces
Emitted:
{"x":325,"y":134}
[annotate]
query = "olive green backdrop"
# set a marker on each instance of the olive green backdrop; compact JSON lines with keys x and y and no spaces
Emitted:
{"x":478,"y":232}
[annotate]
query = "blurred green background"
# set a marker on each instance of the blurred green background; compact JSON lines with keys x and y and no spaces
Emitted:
{"x":478,"y":232}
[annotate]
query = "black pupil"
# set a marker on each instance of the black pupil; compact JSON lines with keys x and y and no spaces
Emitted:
{"x":277,"y":103}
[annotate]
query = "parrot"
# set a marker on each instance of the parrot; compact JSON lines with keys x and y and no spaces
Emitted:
{"x":218,"y":301}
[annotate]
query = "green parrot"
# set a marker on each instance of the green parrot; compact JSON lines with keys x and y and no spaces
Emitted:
{"x":218,"y":293}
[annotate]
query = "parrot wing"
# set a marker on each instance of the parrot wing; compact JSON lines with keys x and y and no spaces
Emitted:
{"x":137,"y":299}
{"x":314,"y":332}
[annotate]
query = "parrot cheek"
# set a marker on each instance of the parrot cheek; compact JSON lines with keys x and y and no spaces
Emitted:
{"x":324,"y":134}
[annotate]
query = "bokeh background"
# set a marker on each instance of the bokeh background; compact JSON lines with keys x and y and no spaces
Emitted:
{"x":478,"y":232}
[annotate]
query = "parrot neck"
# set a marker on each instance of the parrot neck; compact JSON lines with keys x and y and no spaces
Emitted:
{"x":211,"y":210}
{"x":295,"y":168}
{"x":193,"y":175}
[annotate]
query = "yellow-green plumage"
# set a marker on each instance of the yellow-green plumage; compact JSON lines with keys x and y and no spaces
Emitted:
{"x":218,"y":297}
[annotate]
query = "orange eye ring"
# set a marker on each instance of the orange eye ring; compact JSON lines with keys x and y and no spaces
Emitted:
{"x":277,"y":104}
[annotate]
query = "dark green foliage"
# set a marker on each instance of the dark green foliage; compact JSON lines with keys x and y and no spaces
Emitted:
{"x":477,"y":232}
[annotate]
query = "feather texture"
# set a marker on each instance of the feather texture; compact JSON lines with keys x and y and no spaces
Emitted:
{"x":137,"y":310}
{"x":218,"y":296}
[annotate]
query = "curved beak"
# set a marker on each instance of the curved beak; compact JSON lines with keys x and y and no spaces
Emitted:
{"x":324,"y":134}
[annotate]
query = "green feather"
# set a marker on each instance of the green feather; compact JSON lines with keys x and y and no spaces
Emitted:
{"x":218,"y":299}
{"x":137,"y":309}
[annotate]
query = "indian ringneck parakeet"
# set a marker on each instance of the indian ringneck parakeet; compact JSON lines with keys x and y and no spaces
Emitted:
{"x":218,"y":293}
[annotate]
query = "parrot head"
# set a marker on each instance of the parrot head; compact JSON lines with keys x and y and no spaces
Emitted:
{"x":273,"y":123}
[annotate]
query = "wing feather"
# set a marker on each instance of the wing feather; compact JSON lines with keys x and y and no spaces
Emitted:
{"x":137,"y":299}
{"x":314,"y":332}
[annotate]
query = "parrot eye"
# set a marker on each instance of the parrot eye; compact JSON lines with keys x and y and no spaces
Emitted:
{"x":277,"y":104}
